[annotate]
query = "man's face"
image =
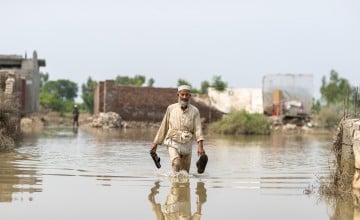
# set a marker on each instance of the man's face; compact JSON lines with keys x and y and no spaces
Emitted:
{"x":184,"y":97}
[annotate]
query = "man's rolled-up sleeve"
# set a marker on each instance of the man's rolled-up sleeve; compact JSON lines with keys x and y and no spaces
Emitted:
{"x":198,"y":129}
{"x":164,"y":127}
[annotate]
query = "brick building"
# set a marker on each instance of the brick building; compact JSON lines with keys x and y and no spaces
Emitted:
{"x":142,"y":103}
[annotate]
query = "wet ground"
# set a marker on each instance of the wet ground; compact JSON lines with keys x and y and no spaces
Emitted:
{"x":108,"y":174}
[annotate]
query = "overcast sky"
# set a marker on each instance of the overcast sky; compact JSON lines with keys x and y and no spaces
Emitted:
{"x":240,"y":40}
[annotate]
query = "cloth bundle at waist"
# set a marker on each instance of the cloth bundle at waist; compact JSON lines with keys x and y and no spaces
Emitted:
{"x":179,"y":136}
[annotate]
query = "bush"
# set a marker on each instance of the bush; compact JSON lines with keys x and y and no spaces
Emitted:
{"x":241,"y":122}
{"x":330,"y":116}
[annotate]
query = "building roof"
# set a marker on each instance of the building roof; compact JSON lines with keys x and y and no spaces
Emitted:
{"x":8,"y":61}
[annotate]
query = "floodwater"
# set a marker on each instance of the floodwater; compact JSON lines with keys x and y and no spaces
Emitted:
{"x":108,"y":174}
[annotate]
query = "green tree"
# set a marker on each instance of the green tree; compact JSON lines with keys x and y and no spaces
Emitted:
{"x":88,"y":94}
{"x":66,"y":89}
{"x":336,"y":90}
{"x":218,"y":83}
{"x":316,"y":106}
{"x":52,"y":101}
{"x":137,"y":80}
{"x":58,"y":95}
{"x":123,"y":80}
{"x":183,"y":82}
{"x":150,"y":82}
{"x":204,"y":87}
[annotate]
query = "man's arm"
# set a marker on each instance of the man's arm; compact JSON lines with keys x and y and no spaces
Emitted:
{"x":199,"y":135}
{"x":200,"y":149}
{"x":153,"y":148}
{"x":161,"y":134}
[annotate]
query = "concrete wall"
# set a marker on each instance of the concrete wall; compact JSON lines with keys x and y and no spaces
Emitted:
{"x":28,"y":69}
{"x":141,"y":103}
{"x":238,"y":99}
{"x":347,"y":144}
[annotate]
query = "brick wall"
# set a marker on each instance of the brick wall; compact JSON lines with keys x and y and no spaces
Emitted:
{"x":98,"y":98}
{"x":140,"y":103}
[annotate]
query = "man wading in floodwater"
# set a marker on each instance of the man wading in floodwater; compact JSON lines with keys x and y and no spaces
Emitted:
{"x":180,"y":127}
{"x":75,"y":114}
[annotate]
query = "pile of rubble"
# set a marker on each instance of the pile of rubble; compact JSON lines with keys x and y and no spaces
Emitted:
{"x":107,"y":120}
{"x":9,"y":123}
{"x":6,"y":142}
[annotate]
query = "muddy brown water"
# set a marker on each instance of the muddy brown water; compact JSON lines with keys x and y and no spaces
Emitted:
{"x":108,"y":174}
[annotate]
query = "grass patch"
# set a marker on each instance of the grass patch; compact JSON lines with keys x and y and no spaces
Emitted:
{"x":241,"y":122}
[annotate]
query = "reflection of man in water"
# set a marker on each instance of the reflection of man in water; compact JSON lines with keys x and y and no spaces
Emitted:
{"x":178,"y":205}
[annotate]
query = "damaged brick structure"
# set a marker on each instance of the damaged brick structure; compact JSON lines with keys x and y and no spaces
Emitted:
{"x":19,"y":94}
{"x":9,"y":110}
{"x":27,"y":79}
{"x":143,"y":103}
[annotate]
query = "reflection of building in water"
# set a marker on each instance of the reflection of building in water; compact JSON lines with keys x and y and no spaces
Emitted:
{"x":178,"y":203}
{"x":16,"y":181}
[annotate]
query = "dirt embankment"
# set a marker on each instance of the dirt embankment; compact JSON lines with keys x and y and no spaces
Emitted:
{"x":37,"y":122}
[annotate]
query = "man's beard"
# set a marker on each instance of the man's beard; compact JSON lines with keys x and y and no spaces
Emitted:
{"x":184,"y":104}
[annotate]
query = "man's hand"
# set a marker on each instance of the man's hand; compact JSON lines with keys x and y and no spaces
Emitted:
{"x":154,"y":156}
{"x":200,"y":149}
{"x":153,"y":148}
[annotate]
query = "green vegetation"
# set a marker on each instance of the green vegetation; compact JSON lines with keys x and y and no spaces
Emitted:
{"x":58,"y":95}
{"x":184,"y":82}
{"x":241,"y":122}
{"x":204,"y":87}
{"x":335,"y":93}
{"x":316,"y":106}
{"x":88,"y":94}
{"x":336,"y":90}
{"x":137,"y":80}
{"x":150,"y":82}
{"x":330,"y":116}
{"x":216,"y":83}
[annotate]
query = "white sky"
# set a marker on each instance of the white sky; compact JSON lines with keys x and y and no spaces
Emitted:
{"x":240,"y":40}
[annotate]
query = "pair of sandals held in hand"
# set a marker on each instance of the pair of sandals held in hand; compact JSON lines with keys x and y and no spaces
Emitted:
{"x":200,"y":164}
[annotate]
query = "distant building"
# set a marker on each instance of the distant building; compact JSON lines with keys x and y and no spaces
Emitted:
{"x":288,"y":95}
{"x":26,"y":75}
{"x":248,"y":99}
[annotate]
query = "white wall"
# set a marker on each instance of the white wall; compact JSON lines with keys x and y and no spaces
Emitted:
{"x":249,"y":99}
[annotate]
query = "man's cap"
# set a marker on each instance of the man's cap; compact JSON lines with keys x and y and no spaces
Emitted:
{"x":184,"y":87}
{"x":75,"y":106}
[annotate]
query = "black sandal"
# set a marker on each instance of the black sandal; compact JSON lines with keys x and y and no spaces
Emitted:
{"x":156,"y":159}
{"x":201,"y":163}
